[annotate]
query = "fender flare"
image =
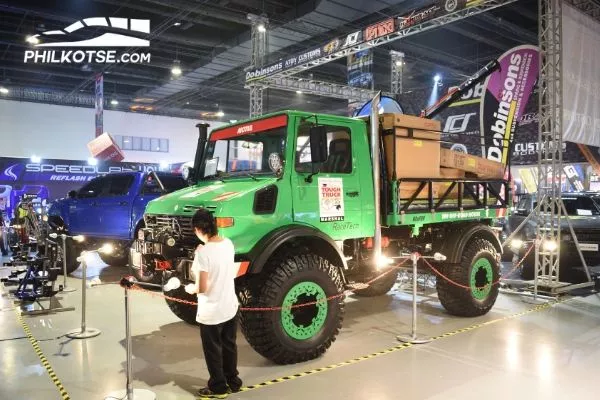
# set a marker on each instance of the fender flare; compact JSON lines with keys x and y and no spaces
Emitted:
{"x":456,"y":241}
{"x":264,"y":249}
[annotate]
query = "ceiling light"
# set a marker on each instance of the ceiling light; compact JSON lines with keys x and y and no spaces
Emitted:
{"x":177,"y":23}
{"x":233,"y":121}
{"x":437,"y":78}
{"x":32,"y":39}
{"x":92,"y":161}
{"x":114,"y":102}
{"x":399,"y":63}
{"x":4,"y":90}
{"x":176,"y":68}
{"x":220,"y":114}
{"x":163,"y":165}
{"x":36,"y":159}
{"x":299,"y":91}
{"x":261,"y":28}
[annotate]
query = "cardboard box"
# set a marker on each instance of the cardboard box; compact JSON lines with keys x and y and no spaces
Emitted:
{"x":452,"y":173}
{"x":417,"y":133}
{"x":481,"y":167}
{"x":104,"y":148}
{"x":390,"y":121}
{"x":414,"y":158}
{"x":407,"y":189}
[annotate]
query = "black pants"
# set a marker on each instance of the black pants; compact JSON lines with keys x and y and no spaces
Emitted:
{"x":220,"y":353}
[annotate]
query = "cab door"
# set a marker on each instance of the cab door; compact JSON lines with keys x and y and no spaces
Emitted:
{"x":328,"y":195}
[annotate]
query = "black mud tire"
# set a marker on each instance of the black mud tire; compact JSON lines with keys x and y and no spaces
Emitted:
{"x":461,"y":301}
{"x":73,"y":251}
{"x":184,"y":312}
{"x":150,"y":275}
{"x":265,"y":330}
{"x":380,"y":287}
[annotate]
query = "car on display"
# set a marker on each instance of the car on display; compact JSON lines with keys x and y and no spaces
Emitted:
{"x":302,"y":217}
{"x":109,"y":208}
{"x":583,"y":210}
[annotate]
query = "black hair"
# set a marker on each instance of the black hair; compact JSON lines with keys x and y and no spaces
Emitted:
{"x":204,"y":221}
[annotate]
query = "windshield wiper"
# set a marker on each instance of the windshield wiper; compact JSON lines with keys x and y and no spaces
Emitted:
{"x":243,"y":174}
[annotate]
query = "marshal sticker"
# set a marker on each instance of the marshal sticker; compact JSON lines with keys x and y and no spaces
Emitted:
{"x":331,"y":200}
{"x":588,"y":246}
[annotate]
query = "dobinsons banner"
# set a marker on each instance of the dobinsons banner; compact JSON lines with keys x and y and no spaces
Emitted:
{"x":505,"y":97}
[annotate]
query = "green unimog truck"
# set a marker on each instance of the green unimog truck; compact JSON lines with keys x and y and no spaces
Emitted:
{"x":310,"y":214}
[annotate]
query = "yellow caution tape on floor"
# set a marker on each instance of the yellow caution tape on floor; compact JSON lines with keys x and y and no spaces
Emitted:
{"x":399,"y":347}
{"x":42,"y":357}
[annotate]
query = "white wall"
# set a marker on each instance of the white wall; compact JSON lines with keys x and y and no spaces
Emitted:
{"x":51,"y":131}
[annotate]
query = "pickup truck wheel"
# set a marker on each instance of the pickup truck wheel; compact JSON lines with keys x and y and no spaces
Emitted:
{"x":294,"y":334}
{"x":380,"y":287}
{"x":72,"y":253}
{"x":185,"y":312}
{"x":479,"y":270}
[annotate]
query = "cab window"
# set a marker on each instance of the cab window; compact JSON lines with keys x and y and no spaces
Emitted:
{"x":94,"y":188}
{"x":120,"y":185}
{"x":339,"y":151}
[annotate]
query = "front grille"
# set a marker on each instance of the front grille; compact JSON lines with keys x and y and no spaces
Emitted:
{"x":178,"y":224}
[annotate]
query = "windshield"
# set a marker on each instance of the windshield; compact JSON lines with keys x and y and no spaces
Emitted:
{"x":246,"y":153}
{"x":583,"y":206}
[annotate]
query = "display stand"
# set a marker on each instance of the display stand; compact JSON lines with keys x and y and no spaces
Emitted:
{"x":84,"y":332}
{"x":129,"y":393}
{"x":412,"y":337}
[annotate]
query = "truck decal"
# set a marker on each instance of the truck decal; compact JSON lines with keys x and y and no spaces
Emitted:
{"x":201,"y":191}
{"x":260,"y":125}
{"x":331,"y":200}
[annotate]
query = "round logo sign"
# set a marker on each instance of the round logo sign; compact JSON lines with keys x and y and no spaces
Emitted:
{"x":275,"y":162}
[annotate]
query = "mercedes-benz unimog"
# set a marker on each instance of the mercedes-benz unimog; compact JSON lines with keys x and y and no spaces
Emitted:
{"x":310,"y":214}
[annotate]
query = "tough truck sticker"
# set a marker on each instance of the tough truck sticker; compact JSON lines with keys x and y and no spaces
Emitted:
{"x":331,"y":199}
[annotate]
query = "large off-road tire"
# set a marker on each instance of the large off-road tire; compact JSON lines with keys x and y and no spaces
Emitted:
{"x":381,"y":286}
{"x":148,"y":274}
{"x":479,"y":270}
{"x":185,"y":312}
{"x":293,"y":334}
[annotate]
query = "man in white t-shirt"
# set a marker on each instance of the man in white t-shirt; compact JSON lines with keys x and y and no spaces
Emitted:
{"x":215,"y":271}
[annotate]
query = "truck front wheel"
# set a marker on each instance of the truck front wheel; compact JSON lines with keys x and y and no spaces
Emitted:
{"x":293,"y":333}
{"x":477,"y":273}
{"x":185,"y":312}
{"x":380,"y":286}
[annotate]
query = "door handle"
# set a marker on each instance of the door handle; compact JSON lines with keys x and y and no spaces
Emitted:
{"x":352,"y":194}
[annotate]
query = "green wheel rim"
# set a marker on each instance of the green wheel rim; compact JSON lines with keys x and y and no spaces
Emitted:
{"x":303,"y":323}
{"x":482,"y":275}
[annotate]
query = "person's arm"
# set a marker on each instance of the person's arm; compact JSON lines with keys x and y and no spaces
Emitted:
{"x":200,"y":270}
{"x":202,"y":282}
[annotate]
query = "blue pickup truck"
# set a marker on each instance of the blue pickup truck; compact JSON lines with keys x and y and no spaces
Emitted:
{"x":109,"y":208}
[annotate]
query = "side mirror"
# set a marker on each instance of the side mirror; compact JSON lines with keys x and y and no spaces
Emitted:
{"x":72,"y":194}
{"x":318,"y":144}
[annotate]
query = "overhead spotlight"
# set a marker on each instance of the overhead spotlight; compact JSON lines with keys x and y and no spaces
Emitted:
{"x":4,"y":90}
{"x":399,"y":63}
{"x":220,"y":114}
{"x":32,"y":39}
{"x":262,"y":28}
{"x":232,"y":121}
{"x":114,"y":102}
{"x":164,"y":165}
{"x":35,"y":159}
{"x":177,"y":23}
{"x":437,"y":78}
{"x":176,"y":68}
{"x":299,"y":91}
{"x":92,"y":161}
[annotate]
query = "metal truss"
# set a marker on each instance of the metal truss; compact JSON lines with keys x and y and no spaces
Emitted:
{"x":397,"y":68}
{"x":589,"y":7}
{"x":485,"y":5}
{"x":318,"y":88}
{"x":258,"y":39}
{"x":551,"y":211}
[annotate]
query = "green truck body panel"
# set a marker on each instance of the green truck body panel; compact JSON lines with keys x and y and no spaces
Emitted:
{"x":298,"y":201}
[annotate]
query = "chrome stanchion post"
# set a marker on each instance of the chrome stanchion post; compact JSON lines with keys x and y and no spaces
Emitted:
{"x":84,"y":332}
{"x":129,"y":393}
{"x":413,"y":338}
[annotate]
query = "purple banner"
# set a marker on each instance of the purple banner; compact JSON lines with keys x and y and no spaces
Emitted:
{"x":505,"y":97}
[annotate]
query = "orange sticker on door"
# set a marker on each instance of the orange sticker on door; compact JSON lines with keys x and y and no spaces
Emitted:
{"x":224,"y":196}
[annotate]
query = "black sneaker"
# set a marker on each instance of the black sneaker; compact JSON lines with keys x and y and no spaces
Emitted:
{"x":206,"y":393}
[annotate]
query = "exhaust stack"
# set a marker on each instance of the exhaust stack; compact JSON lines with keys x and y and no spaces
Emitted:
{"x":375,"y":156}
{"x":200,"y":148}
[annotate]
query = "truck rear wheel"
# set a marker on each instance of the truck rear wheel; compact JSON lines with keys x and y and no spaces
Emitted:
{"x":381,"y":286}
{"x":73,"y":252}
{"x":480,"y":271}
{"x":295,"y":333}
{"x":185,"y":312}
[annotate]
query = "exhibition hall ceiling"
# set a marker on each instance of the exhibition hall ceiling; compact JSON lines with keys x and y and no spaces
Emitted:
{"x":211,"y":39}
